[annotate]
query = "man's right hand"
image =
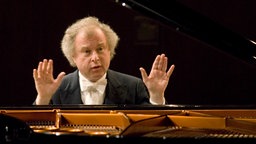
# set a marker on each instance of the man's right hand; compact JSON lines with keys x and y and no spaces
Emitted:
{"x":45,"y":83}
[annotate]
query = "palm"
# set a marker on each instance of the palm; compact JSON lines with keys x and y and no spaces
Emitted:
{"x":158,"y":79}
{"x":45,"y":84}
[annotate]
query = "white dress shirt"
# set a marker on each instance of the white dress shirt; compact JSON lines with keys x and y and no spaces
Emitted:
{"x":92,"y":93}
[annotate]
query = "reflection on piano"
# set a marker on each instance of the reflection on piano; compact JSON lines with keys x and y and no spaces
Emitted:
{"x":222,"y":62}
{"x":189,"y":22}
{"x":126,"y":124}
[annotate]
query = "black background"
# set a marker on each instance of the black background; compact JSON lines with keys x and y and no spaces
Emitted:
{"x":32,"y":30}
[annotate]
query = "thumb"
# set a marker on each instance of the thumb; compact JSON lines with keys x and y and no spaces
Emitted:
{"x":60,"y":77}
{"x":144,"y":74}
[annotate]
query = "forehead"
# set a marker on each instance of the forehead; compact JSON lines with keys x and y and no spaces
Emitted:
{"x":91,"y":32}
{"x":90,"y":36}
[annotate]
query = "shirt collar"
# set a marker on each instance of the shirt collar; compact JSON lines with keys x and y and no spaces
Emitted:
{"x":83,"y":79}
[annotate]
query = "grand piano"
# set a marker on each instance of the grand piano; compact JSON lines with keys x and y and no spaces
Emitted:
{"x":172,"y":123}
{"x":191,"y":23}
{"x":128,"y":124}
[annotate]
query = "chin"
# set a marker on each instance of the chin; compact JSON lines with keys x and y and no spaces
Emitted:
{"x":96,"y":77}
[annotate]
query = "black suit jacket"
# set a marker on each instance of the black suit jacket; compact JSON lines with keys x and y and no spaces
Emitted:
{"x":121,"y":89}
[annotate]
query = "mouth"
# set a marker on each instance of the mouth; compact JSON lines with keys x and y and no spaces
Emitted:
{"x":96,"y":67}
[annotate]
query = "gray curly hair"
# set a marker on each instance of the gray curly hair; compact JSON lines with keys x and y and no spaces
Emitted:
{"x":67,"y":43}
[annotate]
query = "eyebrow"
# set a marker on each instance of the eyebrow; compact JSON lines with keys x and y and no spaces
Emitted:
{"x":86,"y":46}
{"x":100,"y":43}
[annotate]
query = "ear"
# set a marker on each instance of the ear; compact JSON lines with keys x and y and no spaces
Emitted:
{"x":74,"y":58}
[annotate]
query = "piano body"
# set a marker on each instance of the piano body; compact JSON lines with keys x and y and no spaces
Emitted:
{"x":221,"y":61}
{"x":128,"y":124}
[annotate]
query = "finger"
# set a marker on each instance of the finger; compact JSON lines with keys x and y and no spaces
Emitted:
{"x":50,"y":67}
{"x":144,"y":74}
{"x":43,"y":69}
{"x":39,"y":69}
{"x":165,"y":63}
{"x":60,"y":77}
{"x":35,"y":75}
{"x":159,"y":66}
{"x":155,"y":63}
{"x":170,"y":71}
{"x":43,"y":73}
{"x":44,"y":65}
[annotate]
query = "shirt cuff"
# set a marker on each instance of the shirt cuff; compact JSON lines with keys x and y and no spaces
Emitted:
{"x":154,"y":103}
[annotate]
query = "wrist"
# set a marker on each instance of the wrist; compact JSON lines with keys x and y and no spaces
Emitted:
{"x":41,"y":101}
{"x":157,"y":99}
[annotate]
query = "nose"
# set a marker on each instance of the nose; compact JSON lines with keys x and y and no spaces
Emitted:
{"x":95,"y":57}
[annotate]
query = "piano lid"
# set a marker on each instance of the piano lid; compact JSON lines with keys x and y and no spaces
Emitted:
{"x":189,"y":22}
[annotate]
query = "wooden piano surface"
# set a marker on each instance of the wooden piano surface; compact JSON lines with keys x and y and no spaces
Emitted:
{"x":152,"y":123}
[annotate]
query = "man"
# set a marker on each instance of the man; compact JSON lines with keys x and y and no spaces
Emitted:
{"x":89,"y":45}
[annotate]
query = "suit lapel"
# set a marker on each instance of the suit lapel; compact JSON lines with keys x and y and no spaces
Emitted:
{"x":115,"y":91}
{"x":72,"y":90}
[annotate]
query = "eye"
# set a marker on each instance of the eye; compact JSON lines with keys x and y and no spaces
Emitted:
{"x":100,"y":49}
{"x":87,"y":51}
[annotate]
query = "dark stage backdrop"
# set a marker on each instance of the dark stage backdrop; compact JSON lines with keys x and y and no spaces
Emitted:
{"x":31,"y":30}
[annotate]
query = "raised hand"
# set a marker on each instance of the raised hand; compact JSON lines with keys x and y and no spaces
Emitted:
{"x":158,"y":78}
{"x":45,"y":83}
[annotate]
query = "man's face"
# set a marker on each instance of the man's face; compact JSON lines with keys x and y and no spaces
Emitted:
{"x":92,"y":54}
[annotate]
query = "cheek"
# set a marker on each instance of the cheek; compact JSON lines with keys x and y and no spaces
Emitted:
{"x":74,"y":60}
{"x":106,"y":61}
{"x":79,"y":60}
